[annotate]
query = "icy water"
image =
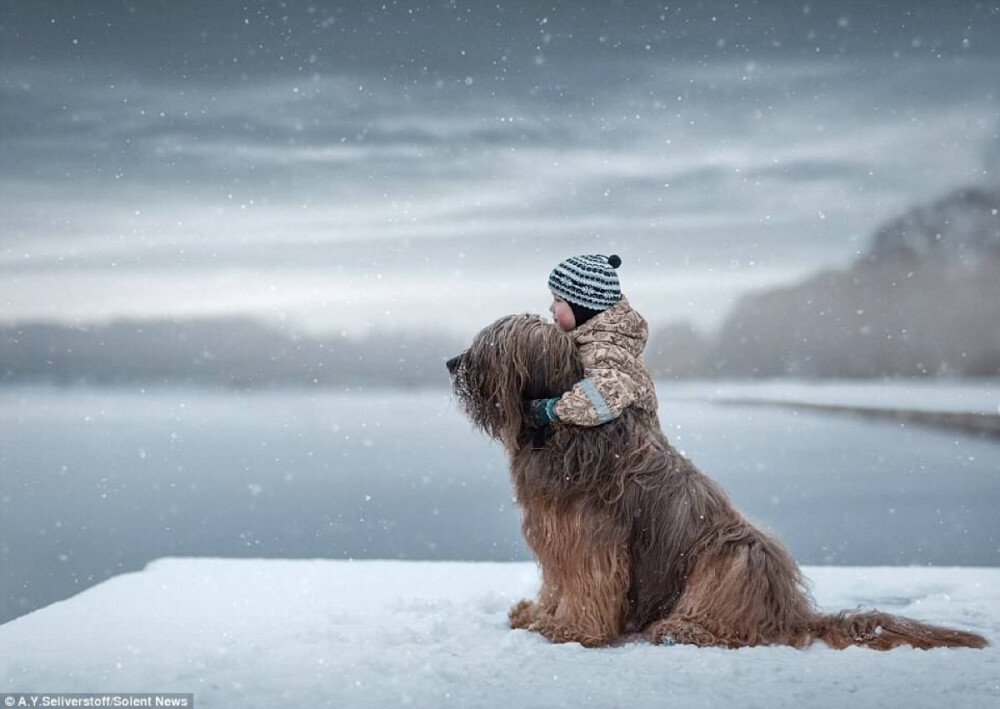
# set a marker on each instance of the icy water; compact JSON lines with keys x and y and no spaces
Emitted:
{"x":97,"y":482}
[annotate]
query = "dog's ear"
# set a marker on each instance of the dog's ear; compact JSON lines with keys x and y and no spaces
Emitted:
{"x":525,"y":354}
{"x":554,"y":366}
{"x":495,"y":373}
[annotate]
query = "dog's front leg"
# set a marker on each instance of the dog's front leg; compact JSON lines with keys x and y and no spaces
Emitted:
{"x":590,"y":609}
{"x":524,"y":613}
{"x":585,"y":574}
{"x":579,"y":623}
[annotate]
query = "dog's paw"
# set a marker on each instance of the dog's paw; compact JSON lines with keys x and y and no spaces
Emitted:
{"x":522,"y":614}
{"x":660,"y":634}
{"x":558,"y":632}
{"x":549,"y":628}
{"x":682,"y":631}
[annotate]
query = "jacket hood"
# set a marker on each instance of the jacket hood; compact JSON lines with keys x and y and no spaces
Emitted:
{"x":619,"y":324}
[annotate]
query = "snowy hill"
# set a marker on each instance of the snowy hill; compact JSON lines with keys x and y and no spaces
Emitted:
{"x":921,"y":301}
{"x":240,"y":633}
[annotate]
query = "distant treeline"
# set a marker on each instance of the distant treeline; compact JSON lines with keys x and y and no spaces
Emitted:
{"x":924,"y":300}
{"x":241,"y":353}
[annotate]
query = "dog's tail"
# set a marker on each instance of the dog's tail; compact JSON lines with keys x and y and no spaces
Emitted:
{"x":883,"y":631}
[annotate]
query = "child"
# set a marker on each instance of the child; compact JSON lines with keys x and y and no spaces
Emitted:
{"x":609,"y":336}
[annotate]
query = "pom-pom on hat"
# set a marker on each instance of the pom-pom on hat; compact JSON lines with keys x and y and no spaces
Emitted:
{"x":589,"y":281}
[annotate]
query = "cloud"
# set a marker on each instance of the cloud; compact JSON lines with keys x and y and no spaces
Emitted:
{"x":201,"y":190}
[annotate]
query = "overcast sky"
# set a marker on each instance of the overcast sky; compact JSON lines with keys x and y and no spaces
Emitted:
{"x":354,"y":166}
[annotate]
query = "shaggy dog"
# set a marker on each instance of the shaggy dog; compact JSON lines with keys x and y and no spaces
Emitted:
{"x":629,"y":535}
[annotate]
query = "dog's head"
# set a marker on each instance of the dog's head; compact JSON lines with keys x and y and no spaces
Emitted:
{"x":516,"y":359}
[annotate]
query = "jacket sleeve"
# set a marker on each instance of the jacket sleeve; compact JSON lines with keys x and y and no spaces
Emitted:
{"x":599,"y":398}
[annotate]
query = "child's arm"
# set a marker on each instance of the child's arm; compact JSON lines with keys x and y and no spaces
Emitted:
{"x":599,"y":398}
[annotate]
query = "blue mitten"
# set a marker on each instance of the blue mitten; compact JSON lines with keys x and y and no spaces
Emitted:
{"x":539,"y":413}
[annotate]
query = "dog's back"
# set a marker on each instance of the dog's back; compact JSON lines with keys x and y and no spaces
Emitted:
{"x":699,"y":571}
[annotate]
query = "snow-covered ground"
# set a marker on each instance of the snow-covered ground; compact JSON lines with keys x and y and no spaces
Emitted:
{"x":951,"y":395}
{"x":253,"y":633}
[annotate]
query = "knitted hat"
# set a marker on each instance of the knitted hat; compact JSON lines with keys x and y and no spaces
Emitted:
{"x":588,"y":281}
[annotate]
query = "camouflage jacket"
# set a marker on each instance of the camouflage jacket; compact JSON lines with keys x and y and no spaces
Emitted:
{"x":610,"y":347}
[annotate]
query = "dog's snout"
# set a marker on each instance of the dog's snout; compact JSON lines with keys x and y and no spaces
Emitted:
{"x":452,"y":364}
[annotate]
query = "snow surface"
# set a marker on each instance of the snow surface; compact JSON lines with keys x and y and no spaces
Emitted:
{"x":267,"y":633}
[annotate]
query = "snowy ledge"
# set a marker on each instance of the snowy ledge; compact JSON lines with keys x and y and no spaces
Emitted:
{"x":268,"y":633}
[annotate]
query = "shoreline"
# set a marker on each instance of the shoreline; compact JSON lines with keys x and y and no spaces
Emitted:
{"x":981,"y":424}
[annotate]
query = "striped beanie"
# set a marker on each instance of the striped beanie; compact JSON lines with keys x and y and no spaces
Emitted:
{"x":589,"y":281}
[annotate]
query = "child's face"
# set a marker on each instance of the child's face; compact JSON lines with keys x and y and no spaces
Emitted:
{"x":562,"y":313}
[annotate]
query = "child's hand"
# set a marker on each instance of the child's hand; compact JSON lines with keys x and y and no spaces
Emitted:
{"x":539,"y":413}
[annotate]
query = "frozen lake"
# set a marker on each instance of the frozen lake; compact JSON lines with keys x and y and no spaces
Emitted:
{"x":96,"y":482}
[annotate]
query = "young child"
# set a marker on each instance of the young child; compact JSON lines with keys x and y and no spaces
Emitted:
{"x":610,"y":338}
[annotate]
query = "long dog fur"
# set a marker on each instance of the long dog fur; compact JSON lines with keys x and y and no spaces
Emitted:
{"x":630,"y":536}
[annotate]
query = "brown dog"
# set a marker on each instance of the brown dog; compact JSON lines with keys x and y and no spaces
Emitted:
{"x":630,"y":536}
